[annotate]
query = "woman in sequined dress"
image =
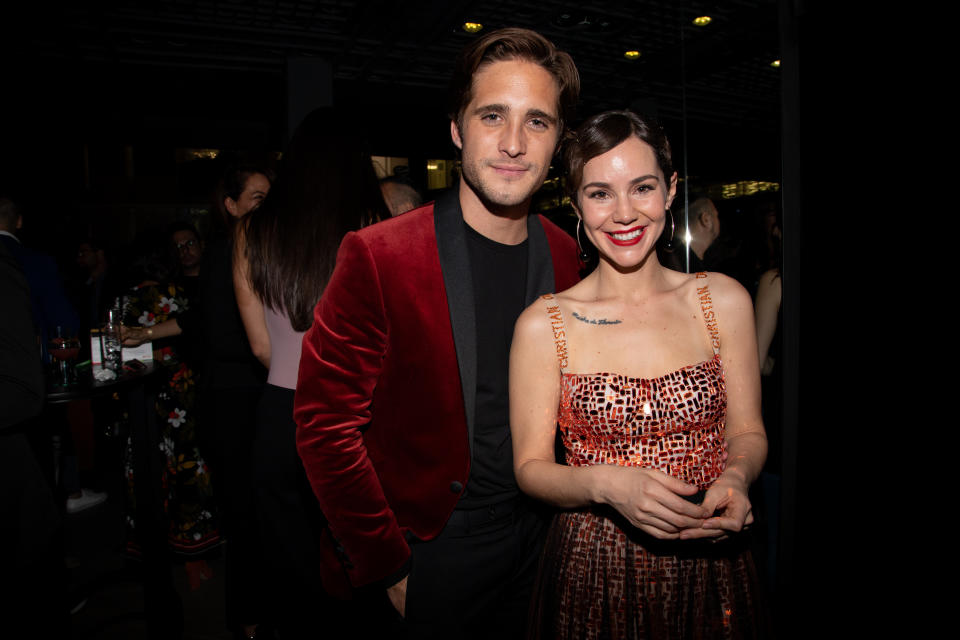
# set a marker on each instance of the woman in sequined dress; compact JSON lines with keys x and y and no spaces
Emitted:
{"x":652,"y":377}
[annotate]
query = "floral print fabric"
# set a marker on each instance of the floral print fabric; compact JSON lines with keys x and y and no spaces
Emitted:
{"x":186,"y":485}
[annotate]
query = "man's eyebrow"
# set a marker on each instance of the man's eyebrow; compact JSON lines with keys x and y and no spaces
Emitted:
{"x":543,"y":115}
{"x":503,"y":109}
{"x":491,"y":108}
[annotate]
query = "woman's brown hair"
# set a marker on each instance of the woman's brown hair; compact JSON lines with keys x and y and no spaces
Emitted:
{"x":603,"y":132}
{"x":325,"y":187}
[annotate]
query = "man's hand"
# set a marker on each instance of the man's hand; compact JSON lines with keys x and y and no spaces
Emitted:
{"x":398,"y":596}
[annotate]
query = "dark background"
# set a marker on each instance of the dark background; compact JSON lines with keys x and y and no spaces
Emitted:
{"x":105,"y":98}
{"x":102,"y":100}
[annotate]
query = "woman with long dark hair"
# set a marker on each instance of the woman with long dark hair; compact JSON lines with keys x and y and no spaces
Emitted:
{"x":231,"y":383}
{"x":284,"y":255}
{"x":229,"y":388}
{"x":652,"y":377}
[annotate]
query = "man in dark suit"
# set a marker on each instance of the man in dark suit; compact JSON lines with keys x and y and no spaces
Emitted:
{"x":50,"y":308}
{"x":30,"y":528}
{"x":48,"y":301}
{"x":401,"y":403}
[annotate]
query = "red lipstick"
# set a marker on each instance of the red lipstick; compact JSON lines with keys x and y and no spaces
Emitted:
{"x":629,"y":241}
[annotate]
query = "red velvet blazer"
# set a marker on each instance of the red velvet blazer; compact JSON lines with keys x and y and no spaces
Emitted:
{"x":386,"y":392}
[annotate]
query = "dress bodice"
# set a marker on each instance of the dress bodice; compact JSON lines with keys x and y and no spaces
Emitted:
{"x":673,"y":423}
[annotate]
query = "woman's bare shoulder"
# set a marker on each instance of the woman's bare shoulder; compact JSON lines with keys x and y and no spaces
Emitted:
{"x":769,"y":275}
{"x":730,"y":299}
{"x":769,"y":281}
{"x":725,"y":288}
{"x":535,"y":320}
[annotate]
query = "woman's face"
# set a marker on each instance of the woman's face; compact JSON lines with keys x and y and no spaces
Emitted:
{"x":255,"y":189}
{"x":623,"y":200}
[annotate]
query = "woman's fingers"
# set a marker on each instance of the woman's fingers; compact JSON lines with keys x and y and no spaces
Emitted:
{"x":668,"y":492}
{"x":733,"y":515}
{"x":652,"y":502}
{"x":699,"y":533}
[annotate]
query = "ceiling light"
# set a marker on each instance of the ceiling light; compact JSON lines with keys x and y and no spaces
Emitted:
{"x":775,"y":63}
{"x":472,"y":27}
{"x":702,"y":21}
{"x":631,"y":55}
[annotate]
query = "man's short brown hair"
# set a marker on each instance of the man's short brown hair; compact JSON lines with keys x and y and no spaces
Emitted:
{"x":514,"y":44}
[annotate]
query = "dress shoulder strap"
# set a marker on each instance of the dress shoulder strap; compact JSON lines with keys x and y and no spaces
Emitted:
{"x":556,"y":323}
{"x":709,"y":315}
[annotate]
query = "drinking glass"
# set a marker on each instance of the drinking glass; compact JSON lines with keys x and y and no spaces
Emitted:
{"x":110,"y":345}
{"x":64,"y":347}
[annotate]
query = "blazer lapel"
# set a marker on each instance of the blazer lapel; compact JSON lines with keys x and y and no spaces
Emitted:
{"x":458,"y":282}
{"x":540,"y":262}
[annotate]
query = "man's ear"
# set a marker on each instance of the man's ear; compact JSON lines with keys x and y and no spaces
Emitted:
{"x":455,"y":135}
{"x":710,"y":219}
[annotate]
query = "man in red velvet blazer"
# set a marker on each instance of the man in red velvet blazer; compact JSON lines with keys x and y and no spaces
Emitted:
{"x":401,"y":403}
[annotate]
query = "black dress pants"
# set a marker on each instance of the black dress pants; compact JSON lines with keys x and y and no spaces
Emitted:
{"x":232,"y":414}
{"x":475,"y":579}
{"x":290,"y":522}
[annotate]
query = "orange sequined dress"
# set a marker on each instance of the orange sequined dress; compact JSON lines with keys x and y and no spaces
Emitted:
{"x":600,"y":577}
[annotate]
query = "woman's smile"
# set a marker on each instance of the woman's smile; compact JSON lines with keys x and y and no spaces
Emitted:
{"x":628,"y":237}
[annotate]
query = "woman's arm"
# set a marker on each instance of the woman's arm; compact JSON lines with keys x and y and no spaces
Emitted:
{"x":250,"y":306}
{"x":746,"y":440}
{"x":135,"y":336}
{"x":649,"y":499}
{"x":769,"y":291}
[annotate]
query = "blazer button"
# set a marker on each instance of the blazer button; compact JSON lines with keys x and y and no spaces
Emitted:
{"x":456,"y":486}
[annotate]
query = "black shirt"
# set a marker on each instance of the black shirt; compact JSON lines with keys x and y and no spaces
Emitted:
{"x":499,"y":291}
{"x":228,"y":361}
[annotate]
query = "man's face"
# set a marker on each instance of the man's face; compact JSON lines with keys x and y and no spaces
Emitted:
{"x":509,"y":131}
{"x":188,"y":247}
{"x":86,"y":256}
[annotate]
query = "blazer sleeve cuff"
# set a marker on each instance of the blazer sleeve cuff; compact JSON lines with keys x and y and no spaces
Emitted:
{"x":399,"y":574}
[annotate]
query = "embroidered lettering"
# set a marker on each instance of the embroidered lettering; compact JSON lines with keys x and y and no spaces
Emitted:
{"x":559,"y":335}
{"x":709,"y":317}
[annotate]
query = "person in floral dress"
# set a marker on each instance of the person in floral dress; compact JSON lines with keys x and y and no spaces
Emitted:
{"x":186,"y":485}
